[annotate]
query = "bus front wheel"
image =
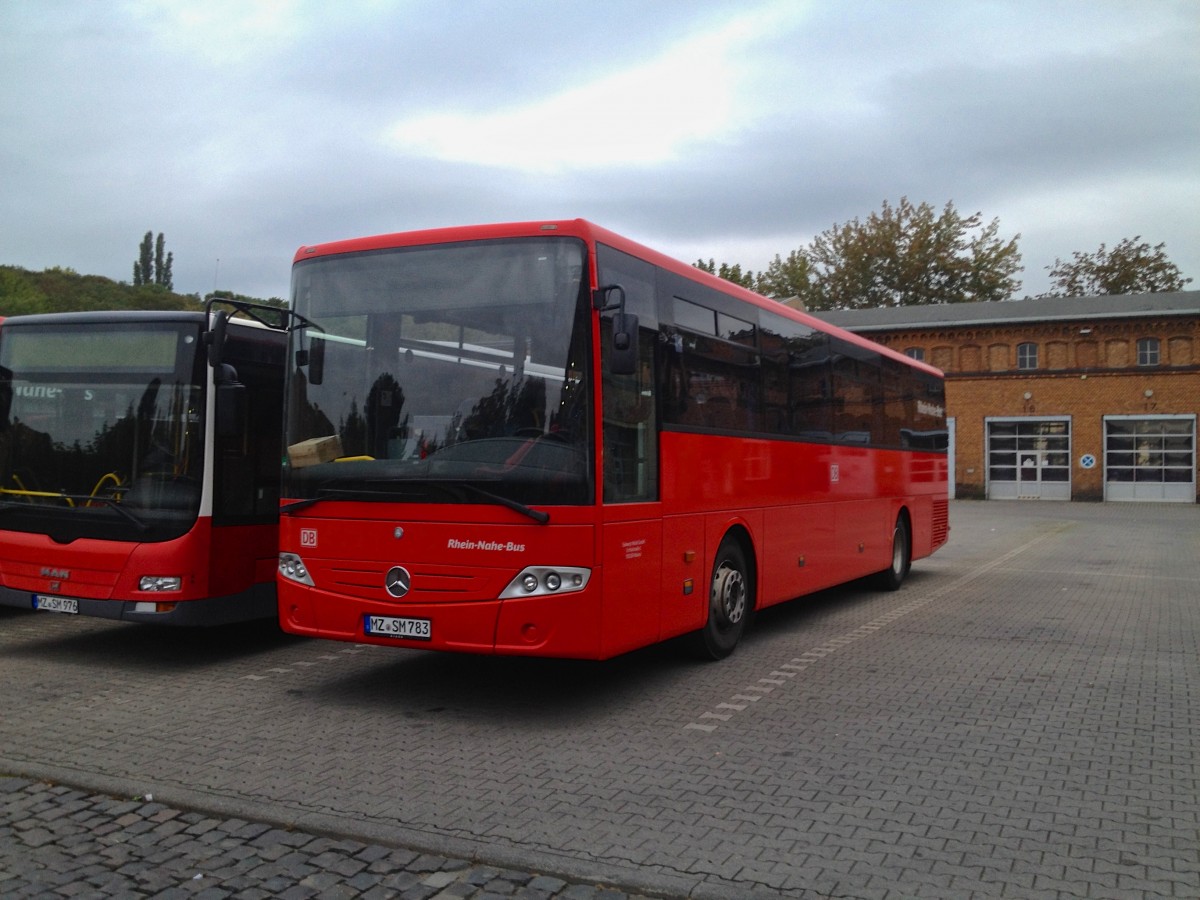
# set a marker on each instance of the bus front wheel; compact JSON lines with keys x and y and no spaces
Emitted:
{"x":730,"y":602}
{"x":893,"y":576}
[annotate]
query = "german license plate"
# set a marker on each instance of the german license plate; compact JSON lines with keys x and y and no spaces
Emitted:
{"x":56,"y":604}
{"x":397,"y":627}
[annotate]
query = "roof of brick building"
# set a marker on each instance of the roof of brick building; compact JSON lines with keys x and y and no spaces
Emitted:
{"x":1041,"y":309}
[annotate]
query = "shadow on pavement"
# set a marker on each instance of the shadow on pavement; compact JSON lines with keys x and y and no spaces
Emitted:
{"x":151,"y":647}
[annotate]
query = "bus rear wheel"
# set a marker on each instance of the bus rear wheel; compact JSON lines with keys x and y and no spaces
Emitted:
{"x":893,"y":576}
{"x":730,"y":602}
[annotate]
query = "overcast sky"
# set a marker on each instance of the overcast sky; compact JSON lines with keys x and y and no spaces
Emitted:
{"x":727,"y":130}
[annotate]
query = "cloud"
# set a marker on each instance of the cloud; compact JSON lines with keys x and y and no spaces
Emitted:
{"x":644,"y":115}
{"x":732,"y":130}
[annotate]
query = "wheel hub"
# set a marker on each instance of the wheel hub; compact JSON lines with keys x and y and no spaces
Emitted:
{"x":729,"y":595}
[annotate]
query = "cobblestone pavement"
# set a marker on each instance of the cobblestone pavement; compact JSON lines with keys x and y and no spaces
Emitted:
{"x":1021,"y":719}
{"x":57,"y":841}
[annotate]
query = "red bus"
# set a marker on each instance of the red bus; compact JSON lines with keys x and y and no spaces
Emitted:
{"x":139,"y":465}
{"x":546,"y":439}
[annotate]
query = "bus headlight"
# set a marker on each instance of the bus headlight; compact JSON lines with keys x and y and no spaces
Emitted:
{"x":292,"y":568}
{"x":537,"y":581}
{"x":160,"y":583}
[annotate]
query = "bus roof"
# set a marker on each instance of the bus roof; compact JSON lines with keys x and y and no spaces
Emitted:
{"x":99,"y":317}
{"x":119,"y":317}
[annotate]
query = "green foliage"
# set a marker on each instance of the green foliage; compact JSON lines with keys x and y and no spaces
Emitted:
{"x":151,"y":266}
{"x":270,"y":301}
{"x":910,"y":255}
{"x":143,"y":266}
{"x":735,"y":274}
{"x":729,"y":272}
{"x":784,"y":279}
{"x":1129,"y":268}
{"x":162,"y":267}
{"x":900,"y":256}
{"x":18,"y":294}
{"x":62,"y":290}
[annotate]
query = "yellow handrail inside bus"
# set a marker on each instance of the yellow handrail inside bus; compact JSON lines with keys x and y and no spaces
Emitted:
{"x":108,"y":476}
{"x":24,"y":493}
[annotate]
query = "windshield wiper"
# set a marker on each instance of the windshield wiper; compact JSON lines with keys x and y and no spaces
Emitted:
{"x":537,"y":515}
{"x":334,"y":494}
{"x":83,"y":498}
{"x":366,"y":494}
{"x":297,"y":505}
{"x":113,"y":504}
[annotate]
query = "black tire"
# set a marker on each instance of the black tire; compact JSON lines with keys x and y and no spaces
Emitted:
{"x":893,"y":576}
{"x":730,"y":602}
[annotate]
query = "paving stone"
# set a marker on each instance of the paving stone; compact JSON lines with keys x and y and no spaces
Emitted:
{"x":936,"y":741}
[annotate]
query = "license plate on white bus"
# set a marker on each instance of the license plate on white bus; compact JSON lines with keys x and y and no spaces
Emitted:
{"x":397,"y":627}
{"x":56,"y":604}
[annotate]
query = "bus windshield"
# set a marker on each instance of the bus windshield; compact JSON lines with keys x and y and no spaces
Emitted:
{"x":450,"y":373}
{"x":101,"y":429}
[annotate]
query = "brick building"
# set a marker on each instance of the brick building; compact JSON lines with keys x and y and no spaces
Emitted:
{"x":1083,"y":398}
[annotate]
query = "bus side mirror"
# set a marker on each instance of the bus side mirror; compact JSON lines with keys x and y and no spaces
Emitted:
{"x":231,"y":409}
{"x":216,"y":339}
{"x":6,"y":395}
{"x":316,"y":361}
{"x":623,"y":359}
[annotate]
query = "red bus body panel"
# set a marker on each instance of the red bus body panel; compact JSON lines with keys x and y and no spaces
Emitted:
{"x":229,"y":569}
{"x":650,"y":562}
{"x":349,"y":555}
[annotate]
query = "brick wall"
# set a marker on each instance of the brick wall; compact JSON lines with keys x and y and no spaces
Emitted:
{"x":1085,"y":370}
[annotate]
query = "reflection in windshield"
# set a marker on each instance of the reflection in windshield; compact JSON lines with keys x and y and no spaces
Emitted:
{"x":100,"y":442}
{"x":460,"y":364}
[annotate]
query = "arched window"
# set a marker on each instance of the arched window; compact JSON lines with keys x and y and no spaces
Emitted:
{"x":1027,"y":356}
{"x":916,"y":353}
{"x":1147,"y":351}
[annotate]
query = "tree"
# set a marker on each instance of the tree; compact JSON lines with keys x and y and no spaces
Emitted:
{"x":143,"y":266}
{"x":910,"y":255}
{"x":787,"y":278}
{"x":1129,"y":268}
{"x":18,"y":294}
{"x":729,"y":272}
{"x":162,"y":268}
{"x":151,"y":267}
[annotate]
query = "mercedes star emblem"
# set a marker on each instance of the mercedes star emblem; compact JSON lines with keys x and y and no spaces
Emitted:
{"x":397,"y":581}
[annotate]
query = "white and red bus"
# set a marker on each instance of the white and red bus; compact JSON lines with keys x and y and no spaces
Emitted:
{"x":139,"y":464}
{"x":546,"y":439}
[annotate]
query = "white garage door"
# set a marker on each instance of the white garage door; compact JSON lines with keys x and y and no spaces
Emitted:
{"x":1150,"y":458}
{"x":1029,"y":459}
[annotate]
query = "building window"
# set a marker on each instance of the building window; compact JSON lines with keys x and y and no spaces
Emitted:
{"x":1147,"y":350}
{"x":1027,"y":356}
{"x":915,"y":353}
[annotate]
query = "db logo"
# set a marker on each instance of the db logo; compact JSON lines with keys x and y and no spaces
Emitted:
{"x":308,"y":537}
